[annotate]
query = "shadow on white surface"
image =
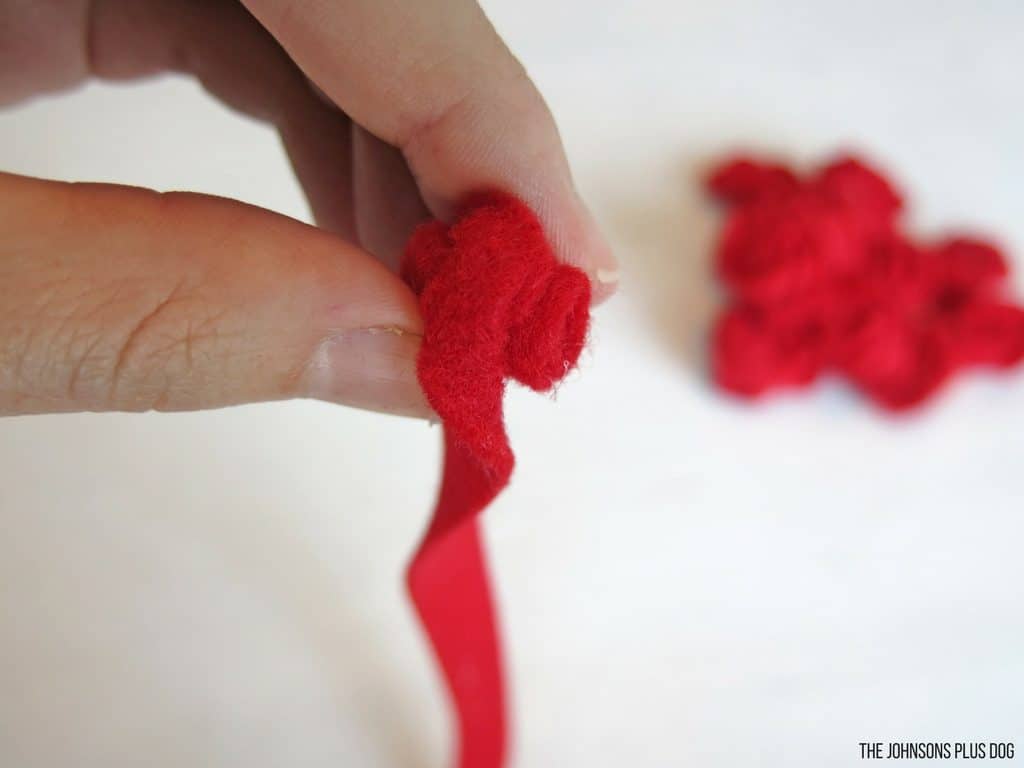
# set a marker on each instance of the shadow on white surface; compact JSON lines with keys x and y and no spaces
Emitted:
{"x":258,"y":546}
{"x":666,"y":237}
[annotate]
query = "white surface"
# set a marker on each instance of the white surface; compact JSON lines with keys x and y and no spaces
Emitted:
{"x":685,"y":581}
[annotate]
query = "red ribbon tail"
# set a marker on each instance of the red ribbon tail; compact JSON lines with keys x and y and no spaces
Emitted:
{"x":450,"y":588}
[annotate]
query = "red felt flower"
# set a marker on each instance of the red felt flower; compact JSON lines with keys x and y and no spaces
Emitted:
{"x":895,"y":362}
{"x":863,"y":192}
{"x":755,"y":351}
{"x":961,"y":269}
{"x":496,"y":305}
{"x":743,"y":180}
{"x":985,"y":333}
{"x":775,"y":250}
{"x":824,"y":279}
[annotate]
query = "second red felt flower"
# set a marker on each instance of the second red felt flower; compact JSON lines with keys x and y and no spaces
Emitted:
{"x":822,"y":278}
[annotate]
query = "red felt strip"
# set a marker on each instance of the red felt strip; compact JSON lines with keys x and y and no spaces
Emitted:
{"x":823,"y":279}
{"x":496,"y":304}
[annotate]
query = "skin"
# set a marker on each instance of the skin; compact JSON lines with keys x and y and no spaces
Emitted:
{"x":120,"y":298}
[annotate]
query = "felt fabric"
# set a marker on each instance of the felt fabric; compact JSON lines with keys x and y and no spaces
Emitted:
{"x":824,"y":279}
{"x":496,"y":305}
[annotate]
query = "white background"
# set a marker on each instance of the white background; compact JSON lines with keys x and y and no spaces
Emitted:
{"x":685,"y":581}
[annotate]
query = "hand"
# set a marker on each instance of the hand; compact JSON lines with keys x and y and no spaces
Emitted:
{"x":118,"y":298}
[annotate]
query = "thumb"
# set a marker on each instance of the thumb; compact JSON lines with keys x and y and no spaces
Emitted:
{"x":116,"y":298}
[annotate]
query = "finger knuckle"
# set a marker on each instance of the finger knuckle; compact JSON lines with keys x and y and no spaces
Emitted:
{"x":161,"y":357}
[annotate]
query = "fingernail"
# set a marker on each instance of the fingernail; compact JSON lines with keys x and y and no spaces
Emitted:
{"x":372,"y":368}
{"x":604,"y":265}
{"x":604,"y":284}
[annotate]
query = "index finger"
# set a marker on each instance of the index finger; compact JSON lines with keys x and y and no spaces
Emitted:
{"x":434,"y":79}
